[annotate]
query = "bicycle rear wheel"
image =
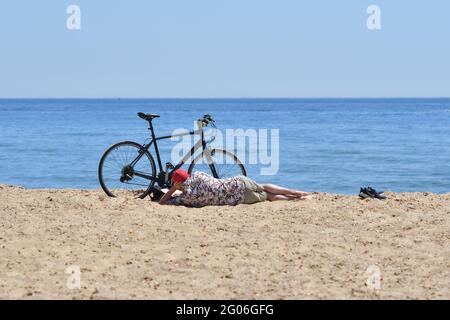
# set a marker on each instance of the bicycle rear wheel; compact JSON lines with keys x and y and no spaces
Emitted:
{"x":225,"y":164}
{"x":117,"y":175}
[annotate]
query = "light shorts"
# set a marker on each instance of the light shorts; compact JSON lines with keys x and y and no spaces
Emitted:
{"x":253,"y":192}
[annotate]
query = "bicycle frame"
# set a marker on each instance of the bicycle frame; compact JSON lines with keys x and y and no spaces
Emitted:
{"x":201,"y":143}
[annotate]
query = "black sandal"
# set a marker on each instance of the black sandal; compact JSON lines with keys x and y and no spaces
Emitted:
{"x":370,"y":192}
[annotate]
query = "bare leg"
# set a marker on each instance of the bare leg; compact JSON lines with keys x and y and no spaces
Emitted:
{"x":274,"y":189}
{"x":275,"y":197}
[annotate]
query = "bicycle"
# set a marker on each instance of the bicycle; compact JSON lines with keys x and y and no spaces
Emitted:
{"x":129,"y":166}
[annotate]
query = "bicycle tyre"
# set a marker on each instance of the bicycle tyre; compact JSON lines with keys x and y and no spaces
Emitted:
{"x":239,"y":167}
{"x":108,"y":153}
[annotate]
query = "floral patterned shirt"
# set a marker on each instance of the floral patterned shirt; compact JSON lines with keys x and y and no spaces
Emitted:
{"x":201,"y":189}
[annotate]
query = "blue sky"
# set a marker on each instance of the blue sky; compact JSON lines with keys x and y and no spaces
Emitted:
{"x":212,"y":48}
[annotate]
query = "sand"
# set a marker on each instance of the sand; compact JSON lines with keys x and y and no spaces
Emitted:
{"x":326,"y":247}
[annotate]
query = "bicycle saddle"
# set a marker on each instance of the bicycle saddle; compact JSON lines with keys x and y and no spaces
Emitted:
{"x":147,"y":116}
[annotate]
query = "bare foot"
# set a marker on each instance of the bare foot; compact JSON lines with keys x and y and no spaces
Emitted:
{"x":298,"y":193}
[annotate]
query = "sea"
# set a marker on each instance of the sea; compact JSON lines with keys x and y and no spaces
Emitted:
{"x":326,"y":145}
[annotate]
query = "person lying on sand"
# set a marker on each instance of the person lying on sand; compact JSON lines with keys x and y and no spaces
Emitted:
{"x":201,"y":189}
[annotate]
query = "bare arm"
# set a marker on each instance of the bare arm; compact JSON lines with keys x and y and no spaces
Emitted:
{"x":169,"y":193}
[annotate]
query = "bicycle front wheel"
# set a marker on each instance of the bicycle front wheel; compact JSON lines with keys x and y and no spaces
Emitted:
{"x":119,"y":173}
{"x":222,"y":164}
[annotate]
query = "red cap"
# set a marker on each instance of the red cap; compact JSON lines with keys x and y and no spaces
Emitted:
{"x":180,"y":176}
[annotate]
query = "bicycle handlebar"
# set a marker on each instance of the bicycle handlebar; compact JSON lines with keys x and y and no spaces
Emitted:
{"x":207,"y":119}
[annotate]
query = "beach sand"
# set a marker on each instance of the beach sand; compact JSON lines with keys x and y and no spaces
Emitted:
{"x":325,"y":247}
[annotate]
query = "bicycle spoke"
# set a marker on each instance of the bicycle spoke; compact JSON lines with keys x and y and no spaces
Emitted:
{"x":114,"y":158}
{"x":225,"y":165}
{"x":116,"y":165}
